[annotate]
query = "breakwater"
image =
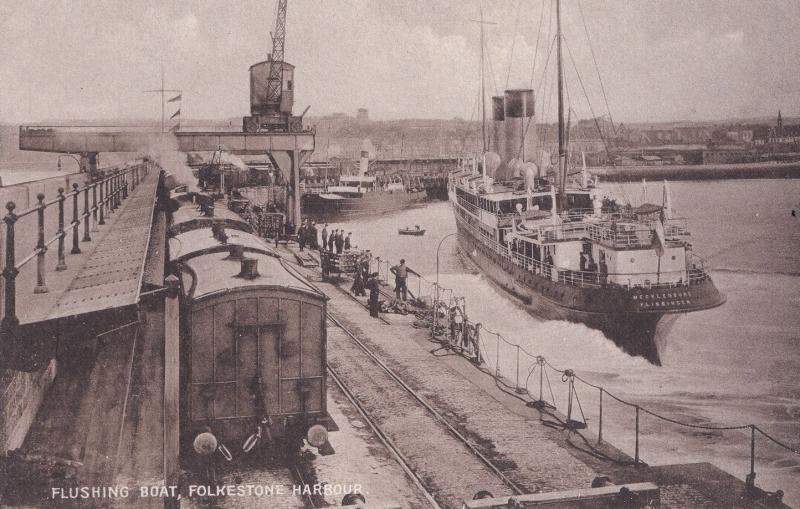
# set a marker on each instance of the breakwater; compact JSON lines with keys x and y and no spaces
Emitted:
{"x":771,"y":170}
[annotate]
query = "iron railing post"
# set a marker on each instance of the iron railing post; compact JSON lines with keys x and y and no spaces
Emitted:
{"x":115,"y":190}
{"x":750,"y":481}
{"x":75,"y":222}
{"x":125,"y":183}
{"x":636,"y":456}
{"x":10,"y":271}
{"x":102,"y":200}
{"x":94,"y":206}
{"x":41,"y":249}
{"x":600,"y":425}
{"x":86,"y":214}
{"x":62,"y":259}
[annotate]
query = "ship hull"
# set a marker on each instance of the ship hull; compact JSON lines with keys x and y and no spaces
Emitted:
{"x":323,"y":208}
{"x":637,"y":333}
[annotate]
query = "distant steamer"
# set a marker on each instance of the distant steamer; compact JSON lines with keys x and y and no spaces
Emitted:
{"x":359,"y":196}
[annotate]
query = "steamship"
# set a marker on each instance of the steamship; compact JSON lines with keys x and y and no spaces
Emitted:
{"x":548,"y":240}
{"x":360,"y":195}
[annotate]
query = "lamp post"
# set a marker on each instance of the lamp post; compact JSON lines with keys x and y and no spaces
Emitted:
{"x":436,"y":299}
{"x":80,"y":168}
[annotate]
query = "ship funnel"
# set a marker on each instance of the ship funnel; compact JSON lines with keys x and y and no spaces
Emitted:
{"x":518,"y":111}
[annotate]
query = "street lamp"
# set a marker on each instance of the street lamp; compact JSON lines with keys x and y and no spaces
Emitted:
{"x":80,"y":168}
{"x":436,"y":300}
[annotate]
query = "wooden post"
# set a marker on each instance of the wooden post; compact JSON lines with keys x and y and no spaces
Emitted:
{"x":171,"y":383}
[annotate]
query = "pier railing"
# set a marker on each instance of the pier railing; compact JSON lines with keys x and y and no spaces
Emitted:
{"x":66,"y":221}
{"x":576,"y":403}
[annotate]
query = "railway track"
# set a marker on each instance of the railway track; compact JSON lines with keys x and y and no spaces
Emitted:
{"x":415,"y":433}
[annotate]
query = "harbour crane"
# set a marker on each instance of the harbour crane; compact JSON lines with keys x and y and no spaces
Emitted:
{"x":272,"y":87}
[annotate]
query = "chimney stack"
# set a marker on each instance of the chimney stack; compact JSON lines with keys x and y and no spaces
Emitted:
{"x":249,"y":269}
{"x":236,"y":252}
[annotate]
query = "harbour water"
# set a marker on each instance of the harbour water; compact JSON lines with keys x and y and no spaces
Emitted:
{"x":734,"y":365}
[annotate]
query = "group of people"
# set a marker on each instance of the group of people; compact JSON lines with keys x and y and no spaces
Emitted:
{"x":307,"y":235}
{"x":336,"y":241}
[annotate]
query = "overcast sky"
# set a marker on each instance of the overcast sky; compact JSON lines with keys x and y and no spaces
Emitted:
{"x":659,"y":60}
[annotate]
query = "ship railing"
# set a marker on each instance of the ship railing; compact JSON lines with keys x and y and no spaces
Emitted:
{"x":469,"y":206}
{"x":597,"y":279}
{"x":659,"y":279}
{"x":48,"y":222}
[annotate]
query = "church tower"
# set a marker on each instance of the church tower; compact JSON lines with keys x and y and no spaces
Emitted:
{"x":779,"y":129}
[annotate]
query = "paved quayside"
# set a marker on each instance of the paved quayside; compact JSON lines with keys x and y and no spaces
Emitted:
{"x":517,"y":439}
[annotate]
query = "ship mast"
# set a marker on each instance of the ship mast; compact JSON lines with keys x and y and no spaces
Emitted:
{"x":483,"y":82}
{"x":562,"y":149}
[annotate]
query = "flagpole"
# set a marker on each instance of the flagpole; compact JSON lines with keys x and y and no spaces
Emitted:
{"x":162,"y":99}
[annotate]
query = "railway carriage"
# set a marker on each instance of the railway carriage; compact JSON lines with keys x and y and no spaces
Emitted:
{"x":253,"y":343}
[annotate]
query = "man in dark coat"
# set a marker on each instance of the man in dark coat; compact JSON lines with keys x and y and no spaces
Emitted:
{"x":301,"y":236}
{"x":312,"y":235}
{"x":372,"y":286}
{"x":331,"y":240}
{"x":347,"y":242}
{"x":325,"y":237}
{"x":339,"y":242}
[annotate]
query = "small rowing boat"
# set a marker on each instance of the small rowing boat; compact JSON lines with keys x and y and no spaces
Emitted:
{"x":411,"y":231}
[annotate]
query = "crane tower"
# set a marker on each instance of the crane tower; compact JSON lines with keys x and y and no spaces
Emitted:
{"x":272,"y":87}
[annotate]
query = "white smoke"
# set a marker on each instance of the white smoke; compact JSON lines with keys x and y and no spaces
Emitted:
{"x":165,"y":152}
{"x":229,"y":158}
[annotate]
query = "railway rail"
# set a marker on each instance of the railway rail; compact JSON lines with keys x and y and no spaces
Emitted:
{"x":441,"y":487}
